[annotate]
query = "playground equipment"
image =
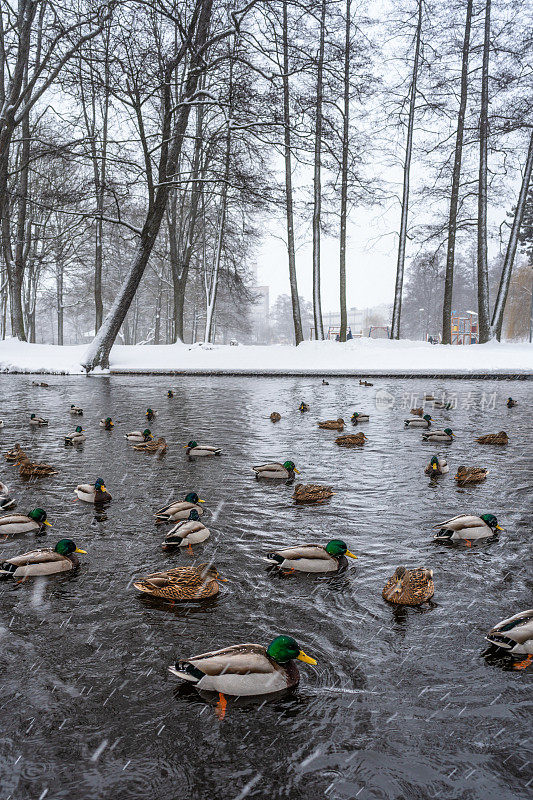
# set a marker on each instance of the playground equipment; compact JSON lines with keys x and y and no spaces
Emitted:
{"x":379,"y":332}
{"x":464,"y":327}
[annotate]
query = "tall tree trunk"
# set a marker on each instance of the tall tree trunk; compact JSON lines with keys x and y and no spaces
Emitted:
{"x":317,"y":182}
{"x":456,"y":181}
{"x":397,"y":309}
{"x":505,"y":279}
{"x":21,"y":248}
{"x":482,"y":263}
{"x":211,"y":279}
{"x":158,"y":307}
{"x":59,"y":299}
{"x":98,"y":352}
{"x":344,"y":178}
{"x":295,"y":300}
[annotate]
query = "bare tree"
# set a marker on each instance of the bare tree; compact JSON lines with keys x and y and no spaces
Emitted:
{"x":482,"y":262}
{"x":317,"y":181}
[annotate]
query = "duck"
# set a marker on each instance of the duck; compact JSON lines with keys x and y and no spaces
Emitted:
{"x":417,"y":412}
{"x":42,"y":562}
{"x":312,"y":557}
{"x":471,"y":474}
{"x":195,"y":449}
{"x":93,"y":492}
{"x":188,"y":532}
{"x":439,"y":436}
{"x":303,"y":407}
{"x":136,"y":437}
{"x":180,"y":509}
{"x":276,"y":471}
{"x":511,"y":403}
{"x":409,"y":587}
{"x":14,"y":524}
{"x":34,"y":469}
{"x":35,"y":420}
{"x":351,"y":439}
{"x":442,"y":404}
{"x":245,"y":670}
{"x":1,"y":423}
{"x":514,"y":635}
{"x":358,"y":416}
{"x":467,"y":527}
{"x":419,"y":422}
{"x":311,"y":493}
{"x":78,"y":437}
{"x":41,"y":383}
{"x":150,"y":414}
{"x":181,"y":583}
{"x":493,"y":438}
{"x":15,"y":454}
{"x":332,"y":424}
{"x":275,"y":417}
{"x":76,"y":411}
{"x":170,"y":393}
{"x":157,"y":446}
{"x":437,"y":466}
{"x":365,"y":383}
{"x":325,"y":382}
{"x":6,"y":501}
{"x":428,"y":398}
{"x":107,"y":423}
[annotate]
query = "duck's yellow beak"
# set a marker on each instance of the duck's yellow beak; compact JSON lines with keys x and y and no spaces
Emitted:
{"x":103,"y":489}
{"x":307,"y":659}
{"x":434,"y":466}
{"x":201,"y":501}
{"x":45,"y":522}
{"x":350,"y":554}
{"x":297,"y":471}
{"x":499,"y":528}
{"x":77,"y":550}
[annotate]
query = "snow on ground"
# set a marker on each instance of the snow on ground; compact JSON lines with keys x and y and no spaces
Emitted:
{"x":358,"y":357}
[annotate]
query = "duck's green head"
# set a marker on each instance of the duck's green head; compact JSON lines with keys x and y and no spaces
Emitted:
{"x":192,"y":497}
{"x":66,"y":546}
{"x":289,"y":466}
{"x":434,"y":462}
{"x":491,"y":521}
{"x":284,"y":648}
{"x":99,"y":485}
{"x":338,"y":548}
{"x":73,"y":405}
{"x":355,"y":414}
{"x":449,"y":431}
{"x":427,"y":417}
{"x":192,"y":443}
{"x":79,"y":429}
{"x":170,"y":393}
{"x":149,"y":412}
{"x":39,"y":515}
{"x":194,"y":515}
{"x":32,"y":416}
{"x":147,"y":433}
{"x":109,"y":421}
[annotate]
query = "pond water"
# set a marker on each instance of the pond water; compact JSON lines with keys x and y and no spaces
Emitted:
{"x":401,"y":704}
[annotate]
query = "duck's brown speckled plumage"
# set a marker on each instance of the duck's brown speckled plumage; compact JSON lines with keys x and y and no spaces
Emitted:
{"x":351,"y":440}
{"x":311,"y":493}
{"x":332,"y":424}
{"x":493,"y":438}
{"x":275,"y":417}
{"x":409,"y":587}
{"x":181,"y":583}
{"x":471,"y":474}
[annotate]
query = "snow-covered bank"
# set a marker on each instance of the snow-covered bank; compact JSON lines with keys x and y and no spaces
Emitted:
{"x":358,"y":357}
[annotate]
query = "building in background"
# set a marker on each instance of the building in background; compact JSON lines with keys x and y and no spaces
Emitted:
{"x":260,"y":315}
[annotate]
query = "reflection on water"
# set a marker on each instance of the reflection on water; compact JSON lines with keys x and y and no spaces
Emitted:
{"x":401,"y":704}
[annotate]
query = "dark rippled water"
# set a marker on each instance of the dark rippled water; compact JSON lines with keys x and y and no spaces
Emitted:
{"x":401,"y":704}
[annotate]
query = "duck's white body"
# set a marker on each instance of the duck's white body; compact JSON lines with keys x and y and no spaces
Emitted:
{"x":204,"y":450}
{"x":38,"y":421}
{"x":514,"y":634}
{"x":306,"y":558}
{"x":75,"y":438}
{"x":76,"y":411}
{"x":87,"y":493}
{"x":443,"y":467}
{"x":464,"y":526}
{"x":6,"y":502}
{"x":36,"y":562}
{"x":271,"y":470}
{"x":13,"y":524}
{"x":417,"y":422}
{"x":135,"y":436}
{"x":186,"y":533}
{"x":437,"y":436}
{"x":178,"y":511}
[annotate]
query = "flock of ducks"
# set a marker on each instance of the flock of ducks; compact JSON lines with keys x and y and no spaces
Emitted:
{"x":251,"y":669}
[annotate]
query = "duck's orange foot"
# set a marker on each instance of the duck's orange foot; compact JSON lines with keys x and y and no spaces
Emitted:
{"x":189,"y":549}
{"x":220,"y":708}
{"x":523,"y":664}
{"x":468,"y":543}
{"x":288,"y":571}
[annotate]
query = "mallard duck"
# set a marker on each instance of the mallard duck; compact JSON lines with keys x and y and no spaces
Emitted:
{"x":136,"y":437}
{"x":275,"y":417}
{"x":351,"y":439}
{"x":13,"y":524}
{"x":439,"y":436}
{"x":311,"y":493}
{"x":6,"y":501}
{"x":332,"y":424}
{"x":15,"y":454}
{"x":159,"y":446}
{"x":514,"y":635}
{"x":107,"y":423}
{"x":76,"y":411}
{"x":42,"y":562}
{"x":34,"y":469}
{"x":276,"y":471}
{"x":365,"y":383}
{"x":511,"y":403}
{"x":417,"y":412}
{"x":37,"y":383}
{"x":35,"y":420}
{"x":188,"y":532}
{"x":471,"y":474}
{"x":245,"y":670}
{"x":409,"y":587}
{"x":93,"y":492}
{"x":437,"y":466}
{"x":303,"y":407}
{"x":325,"y":382}
{"x":150,"y":414}
{"x":181,"y":583}
{"x":442,"y":404}
{"x":493,"y":438}
{"x":312,"y":557}
{"x":358,"y":416}
{"x":180,"y":509}
{"x":78,"y":437}
{"x":419,"y":422}
{"x":1,"y":423}
{"x":195,"y":449}
{"x":428,"y":398}
{"x":467,"y":527}
{"x":170,"y":393}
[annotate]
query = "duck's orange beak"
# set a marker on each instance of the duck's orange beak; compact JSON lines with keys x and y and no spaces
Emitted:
{"x":307,"y":659}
